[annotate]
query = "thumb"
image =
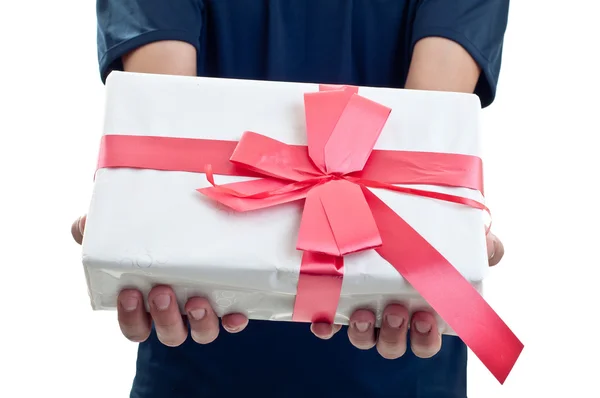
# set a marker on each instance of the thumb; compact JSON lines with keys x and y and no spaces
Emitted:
{"x":495,"y":249}
{"x":77,"y":229}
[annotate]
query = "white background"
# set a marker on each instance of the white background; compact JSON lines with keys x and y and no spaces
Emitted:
{"x":541,"y":162}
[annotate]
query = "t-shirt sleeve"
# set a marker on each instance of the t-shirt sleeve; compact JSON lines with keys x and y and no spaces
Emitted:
{"x":124,"y":26}
{"x":477,"y":25}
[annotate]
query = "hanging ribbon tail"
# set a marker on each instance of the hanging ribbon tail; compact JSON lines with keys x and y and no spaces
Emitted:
{"x":273,"y":158}
{"x":256,"y":194}
{"x":337,"y":220}
{"x":319,"y":288}
{"x":445,"y":289}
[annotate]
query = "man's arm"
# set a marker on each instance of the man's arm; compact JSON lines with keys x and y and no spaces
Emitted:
{"x":162,"y":57}
{"x":152,"y":36}
{"x":171,"y":58}
{"x":442,"y":65}
{"x":457,"y":46}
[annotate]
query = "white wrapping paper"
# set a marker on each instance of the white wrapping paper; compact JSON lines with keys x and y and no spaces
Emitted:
{"x":149,"y":227}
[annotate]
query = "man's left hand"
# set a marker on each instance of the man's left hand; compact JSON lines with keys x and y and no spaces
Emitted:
{"x":390,"y":338}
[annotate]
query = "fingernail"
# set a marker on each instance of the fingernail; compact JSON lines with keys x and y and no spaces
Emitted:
{"x":394,"y":321}
{"x":423,"y":327}
{"x":198,"y":313}
{"x":362,"y":326}
{"x":129,"y":303}
{"x":162,"y":302}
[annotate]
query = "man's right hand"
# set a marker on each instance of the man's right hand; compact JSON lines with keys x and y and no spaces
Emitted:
{"x":171,"y":327}
{"x":171,"y":58}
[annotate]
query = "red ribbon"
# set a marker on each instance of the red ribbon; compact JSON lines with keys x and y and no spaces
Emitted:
{"x":341,"y":215}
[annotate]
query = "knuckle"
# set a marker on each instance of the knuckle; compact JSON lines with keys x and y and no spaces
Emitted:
{"x":391,"y":344}
{"x":391,"y":352}
{"x":205,"y":337}
{"x":136,"y":337}
{"x":425,"y":351}
{"x":168,"y":323}
{"x":170,"y":332}
{"x":364,"y":345}
{"x":204,"y":327}
{"x":171,"y":340}
{"x":424,"y":354}
{"x":135,"y":331}
{"x":390,"y":340}
{"x":361,"y":342}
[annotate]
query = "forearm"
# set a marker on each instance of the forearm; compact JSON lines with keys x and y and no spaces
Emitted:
{"x":442,"y":65}
{"x":162,"y":57}
{"x":437,"y":64}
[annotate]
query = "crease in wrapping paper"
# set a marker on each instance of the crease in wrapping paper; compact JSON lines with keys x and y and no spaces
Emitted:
{"x":330,"y":168}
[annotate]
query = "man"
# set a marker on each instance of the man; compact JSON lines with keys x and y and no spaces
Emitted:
{"x":447,"y":45}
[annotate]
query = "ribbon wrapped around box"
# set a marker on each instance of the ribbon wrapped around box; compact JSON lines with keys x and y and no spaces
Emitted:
{"x":318,"y":229}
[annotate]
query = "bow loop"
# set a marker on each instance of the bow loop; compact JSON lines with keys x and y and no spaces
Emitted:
{"x":354,"y":136}
{"x":342,"y":128}
{"x":273,"y":158}
{"x":322,"y":111}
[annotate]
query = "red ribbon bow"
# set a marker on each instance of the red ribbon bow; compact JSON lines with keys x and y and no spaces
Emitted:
{"x":341,"y":215}
{"x":342,"y":129}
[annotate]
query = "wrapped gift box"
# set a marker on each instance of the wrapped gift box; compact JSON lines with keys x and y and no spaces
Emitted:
{"x":148,"y":226}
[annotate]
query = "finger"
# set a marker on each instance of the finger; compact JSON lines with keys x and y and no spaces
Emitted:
{"x":134,"y":321}
{"x":361,"y":330}
{"x":391,"y":343}
{"x":324,"y":331}
{"x":495,"y":249}
{"x":204,"y":323}
{"x":234,"y":323}
{"x":170,"y":329}
{"x":77,"y":229}
{"x":425,"y":339}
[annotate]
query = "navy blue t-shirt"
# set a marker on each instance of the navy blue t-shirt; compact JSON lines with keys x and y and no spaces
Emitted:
{"x":358,"y":42}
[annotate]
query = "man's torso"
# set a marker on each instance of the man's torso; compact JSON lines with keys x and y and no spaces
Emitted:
{"x":360,"y":42}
